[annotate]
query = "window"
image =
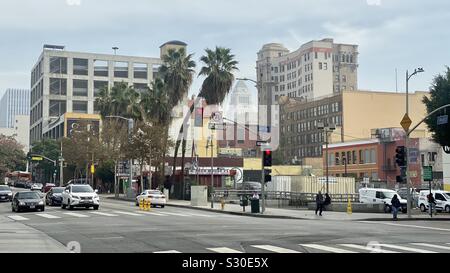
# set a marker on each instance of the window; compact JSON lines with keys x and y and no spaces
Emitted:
{"x":58,"y":65}
{"x":315,"y":55}
{"x":98,"y":86}
{"x":373,"y":156}
{"x":58,"y":86}
{"x":354,"y":157}
{"x":337,"y":159}
{"x":140,"y":70}
{"x":121,"y":69}
{"x":80,"y":66}
{"x":439,"y":197}
{"x":320,"y":66}
{"x":325,"y":66}
{"x":79,"y":106}
{"x":141,"y":87}
{"x":57,"y":108}
{"x":100,"y":68}
{"x":361,"y":157}
{"x":80,"y":88}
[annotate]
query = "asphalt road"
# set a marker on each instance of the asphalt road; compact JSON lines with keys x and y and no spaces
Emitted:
{"x":120,"y":226}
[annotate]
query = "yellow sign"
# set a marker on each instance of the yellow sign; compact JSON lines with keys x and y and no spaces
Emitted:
{"x":37,"y":158}
{"x":406,"y":122}
{"x":92,"y":169}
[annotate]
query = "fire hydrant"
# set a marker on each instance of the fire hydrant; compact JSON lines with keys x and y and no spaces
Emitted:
{"x":222,"y":203}
{"x":141,"y":204}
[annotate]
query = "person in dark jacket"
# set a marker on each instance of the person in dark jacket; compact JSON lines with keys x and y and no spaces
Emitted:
{"x":327,"y":200}
{"x":432,"y":203}
{"x":395,"y":202}
{"x":319,"y":203}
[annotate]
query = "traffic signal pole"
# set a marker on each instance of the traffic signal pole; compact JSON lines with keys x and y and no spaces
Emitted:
{"x":263,"y":183}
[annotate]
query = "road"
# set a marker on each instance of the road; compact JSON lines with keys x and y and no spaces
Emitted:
{"x":121,"y":227}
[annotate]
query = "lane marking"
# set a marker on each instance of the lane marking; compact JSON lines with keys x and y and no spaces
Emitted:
{"x":76,"y":214}
{"x":103,"y":213}
{"x":410,"y":226}
{"x":18,"y":218}
{"x":275,"y":249}
{"x":431,"y":245}
{"x":127,"y":213}
{"x":48,"y":216}
{"x":107,"y":238}
{"x":201,"y":215}
{"x":175,"y":214}
{"x":151,"y":213}
{"x":327,"y":248}
{"x":406,"y":248}
{"x":167,"y":251}
{"x":224,"y":250}
{"x":367,"y":248}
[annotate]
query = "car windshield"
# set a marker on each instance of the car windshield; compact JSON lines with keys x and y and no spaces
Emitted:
{"x":154,"y":192}
{"x":4,"y":188}
{"x":57,"y":190}
{"x":38,"y":185}
{"x":28,"y":195}
{"x":82,"y":188}
{"x":447,"y":195}
{"x":389,"y":194}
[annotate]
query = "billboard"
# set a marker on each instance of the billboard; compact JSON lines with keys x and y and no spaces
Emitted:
{"x":78,"y":125}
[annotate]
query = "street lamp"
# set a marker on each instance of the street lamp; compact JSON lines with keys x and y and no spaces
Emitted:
{"x":408,"y":77}
{"x":326,"y":128}
{"x":115,"y":48}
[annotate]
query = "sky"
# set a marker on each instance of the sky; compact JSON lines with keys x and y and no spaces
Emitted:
{"x":391,"y":34}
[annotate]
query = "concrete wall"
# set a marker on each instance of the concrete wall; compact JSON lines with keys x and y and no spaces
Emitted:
{"x":199,"y":196}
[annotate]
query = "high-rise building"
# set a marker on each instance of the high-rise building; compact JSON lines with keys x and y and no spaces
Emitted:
{"x":14,"y":102}
{"x":69,"y":82}
{"x":316,"y":69}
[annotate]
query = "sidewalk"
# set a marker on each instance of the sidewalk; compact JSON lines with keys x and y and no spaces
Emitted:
{"x":304,"y":214}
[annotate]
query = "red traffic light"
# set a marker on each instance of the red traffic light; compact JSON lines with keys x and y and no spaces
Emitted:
{"x":268,"y":152}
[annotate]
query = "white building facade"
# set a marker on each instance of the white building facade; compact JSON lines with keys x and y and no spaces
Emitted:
{"x":14,"y":102}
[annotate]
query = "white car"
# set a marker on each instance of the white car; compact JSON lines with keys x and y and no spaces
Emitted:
{"x":80,"y":196}
{"x":36,"y":187}
{"x":157,"y":198}
{"x":442,"y":199}
{"x":381,"y":196}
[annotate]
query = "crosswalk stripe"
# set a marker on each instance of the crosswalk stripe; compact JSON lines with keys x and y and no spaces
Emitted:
{"x":127,"y":213}
{"x":103,"y":213}
{"x":167,"y":251}
{"x":200,"y":215}
{"x":224,"y":250}
{"x":432,"y":246}
{"x":327,"y":248}
{"x":18,"y":218}
{"x":407,"y":248}
{"x":176,"y":214}
{"x":373,"y":250}
{"x":48,"y":216}
{"x":275,"y":249}
{"x":76,"y":214}
{"x":151,"y":213}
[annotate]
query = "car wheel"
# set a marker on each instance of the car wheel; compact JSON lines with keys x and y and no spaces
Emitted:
{"x":423,"y":208}
{"x":387,"y":209}
{"x":162,"y":206}
{"x":95,"y":207}
{"x":70,"y":207}
{"x":447,"y":209}
{"x":12,"y":209}
{"x":63,"y":206}
{"x":43,"y":209}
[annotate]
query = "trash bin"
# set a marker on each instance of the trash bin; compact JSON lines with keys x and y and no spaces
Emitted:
{"x":255,"y":205}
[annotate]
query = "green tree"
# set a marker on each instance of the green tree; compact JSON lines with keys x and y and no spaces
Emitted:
{"x":12,"y":157}
{"x":49,"y":148}
{"x":439,"y":96}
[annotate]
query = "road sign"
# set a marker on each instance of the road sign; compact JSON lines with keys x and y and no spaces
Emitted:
{"x":216,"y":126}
{"x":92,"y":168}
{"x":217,"y":117}
{"x":442,"y":120}
{"x":446,"y":149}
{"x":37,"y":158}
{"x":427,"y":173}
{"x":406,"y":122}
{"x":261,"y":143}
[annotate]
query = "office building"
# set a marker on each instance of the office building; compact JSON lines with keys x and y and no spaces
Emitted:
{"x":14,"y":102}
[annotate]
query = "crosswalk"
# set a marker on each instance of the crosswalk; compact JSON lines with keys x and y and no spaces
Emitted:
{"x":324,"y":248}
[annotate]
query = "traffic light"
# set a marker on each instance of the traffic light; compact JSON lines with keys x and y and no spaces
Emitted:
{"x":267,"y":158}
{"x":400,"y":157}
{"x":402,"y":177}
{"x":267,"y":175}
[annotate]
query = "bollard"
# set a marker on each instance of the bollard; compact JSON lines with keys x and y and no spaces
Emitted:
{"x":149,"y":204}
{"x":349,"y":206}
{"x":222,"y":203}
{"x":141,"y":204}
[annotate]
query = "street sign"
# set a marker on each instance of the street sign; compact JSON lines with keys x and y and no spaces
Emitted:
{"x":406,"y":122}
{"x":37,"y":158}
{"x":92,"y":168}
{"x":217,"y":117}
{"x":216,"y":126}
{"x":442,"y":120}
{"x":261,"y":143}
{"x":427,"y":173}
{"x":446,"y":149}
{"x":413,"y":154}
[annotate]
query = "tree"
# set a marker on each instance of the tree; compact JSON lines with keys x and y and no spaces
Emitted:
{"x":49,"y":148}
{"x":439,"y":96}
{"x":12,"y":157}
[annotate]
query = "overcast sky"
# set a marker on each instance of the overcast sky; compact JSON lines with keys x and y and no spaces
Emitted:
{"x":402,"y":34}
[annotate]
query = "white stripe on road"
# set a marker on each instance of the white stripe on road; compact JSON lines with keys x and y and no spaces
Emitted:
{"x":200,"y":215}
{"x":127,"y":213}
{"x":410,"y":226}
{"x":151,"y":213}
{"x":275,"y":249}
{"x":175,"y":214}
{"x":406,"y":248}
{"x":168,"y":251}
{"x":327,"y":248}
{"x":48,"y":216}
{"x":368,"y":248}
{"x":18,"y":218}
{"x":103,"y":213}
{"x":224,"y":250}
{"x":432,"y":246}
{"x":76,"y":214}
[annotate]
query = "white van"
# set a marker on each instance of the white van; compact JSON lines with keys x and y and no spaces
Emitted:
{"x":381,"y":196}
{"x":442,"y":199}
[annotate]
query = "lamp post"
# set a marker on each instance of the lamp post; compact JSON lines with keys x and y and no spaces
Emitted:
{"x":326,"y":128}
{"x":408,"y":77}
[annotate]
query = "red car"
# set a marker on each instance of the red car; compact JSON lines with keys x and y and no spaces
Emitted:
{"x":48,"y":186}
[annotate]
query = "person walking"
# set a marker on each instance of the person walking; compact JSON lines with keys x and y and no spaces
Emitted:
{"x":319,"y":203}
{"x":432,"y":203}
{"x":395,"y":202}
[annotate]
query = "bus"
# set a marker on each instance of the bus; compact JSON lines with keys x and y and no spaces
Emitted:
{"x":19,"y":179}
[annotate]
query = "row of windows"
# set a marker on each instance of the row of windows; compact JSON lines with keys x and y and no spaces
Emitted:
{"x":315,"y":151}
{"x":354,"y":157}
{"x":80,"y":87}
{"x":306,"y":139}
{"x":345,"y":58}
{"x":312,"y":112}
{"x":36,"y":113}
{"x":310,"y":125}
{"x":36,"y":93}
{"x":58,"y":107}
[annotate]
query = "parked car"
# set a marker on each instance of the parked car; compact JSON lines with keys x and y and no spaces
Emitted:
{"x":27,"y":184}
{"x":249,"y":185}
{"x":381,"y":196}
{"x":36,"y":187}
{"x":27,"y":200}
{"x":48,"y":186}
{"x":156,"y":197}
{"x":5,"y":193}
{"x":54,"y":196}
{"x":80,"y":196}
{"x":403,"y":192}
{"x":79,"y":181}
{"x":19,"y":184}
{"x":442,"y":199}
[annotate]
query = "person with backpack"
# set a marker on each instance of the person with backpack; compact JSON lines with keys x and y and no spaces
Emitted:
{"x":395,"y":204}
{"x":319,"y":203}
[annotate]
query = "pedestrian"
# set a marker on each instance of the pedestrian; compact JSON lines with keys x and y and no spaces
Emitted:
{"x":327,"y":201}
{"x":395,"y":204}
{"x":319,"y":203}
{"x":255,"y":195}
{"x":432,"y":203}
